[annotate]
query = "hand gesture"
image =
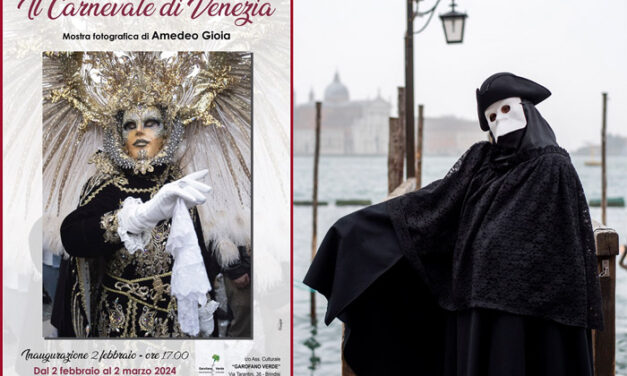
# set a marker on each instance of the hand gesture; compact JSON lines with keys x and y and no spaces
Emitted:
{"x":161,"y":206}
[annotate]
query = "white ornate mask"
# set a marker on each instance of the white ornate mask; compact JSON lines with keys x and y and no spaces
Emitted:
{"x":143,"y":131}
{"x":505,"y":116}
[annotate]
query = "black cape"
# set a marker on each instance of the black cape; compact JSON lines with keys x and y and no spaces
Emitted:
{"x":446,"y":279}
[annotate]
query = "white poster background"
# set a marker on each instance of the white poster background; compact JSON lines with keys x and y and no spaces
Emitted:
{"x":268,"y":38}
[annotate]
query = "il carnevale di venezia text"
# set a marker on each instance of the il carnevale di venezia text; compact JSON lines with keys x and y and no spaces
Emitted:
{"x":242,"y":12}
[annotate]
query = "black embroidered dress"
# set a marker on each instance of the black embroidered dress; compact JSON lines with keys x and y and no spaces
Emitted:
{"x":110,"y":292}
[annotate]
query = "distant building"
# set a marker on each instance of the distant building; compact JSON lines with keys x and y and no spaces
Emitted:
{"x":616,"y":145}
{"x":362,"y":127}
{"x":348,"y":127}
{"x":448,"y":135}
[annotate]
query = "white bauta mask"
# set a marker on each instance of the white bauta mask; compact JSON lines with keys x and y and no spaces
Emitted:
{"x":505,"y":116}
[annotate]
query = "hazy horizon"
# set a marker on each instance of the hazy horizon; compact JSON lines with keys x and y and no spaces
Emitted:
{"x":575,"y":50}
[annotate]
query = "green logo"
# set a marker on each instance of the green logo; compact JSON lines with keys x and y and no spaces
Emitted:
{"x":216,"y":358}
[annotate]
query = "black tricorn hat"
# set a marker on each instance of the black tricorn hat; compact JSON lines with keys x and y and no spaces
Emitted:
{"x":505,"y":85}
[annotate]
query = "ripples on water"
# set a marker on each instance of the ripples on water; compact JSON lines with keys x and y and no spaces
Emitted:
{"x":317,"y":350}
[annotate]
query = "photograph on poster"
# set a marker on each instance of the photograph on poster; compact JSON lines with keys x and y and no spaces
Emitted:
{"x":147,"y":187}
{"x":459,"y":188}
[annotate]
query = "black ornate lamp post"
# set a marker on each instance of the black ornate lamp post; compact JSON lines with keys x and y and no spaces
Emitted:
{"x":453,"y":24}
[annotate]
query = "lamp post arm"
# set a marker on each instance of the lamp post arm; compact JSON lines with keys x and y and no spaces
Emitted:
{"x":429,"y":12}
{"x":425,"y":25}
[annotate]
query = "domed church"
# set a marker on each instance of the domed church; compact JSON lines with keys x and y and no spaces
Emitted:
{"x":348,"y":126}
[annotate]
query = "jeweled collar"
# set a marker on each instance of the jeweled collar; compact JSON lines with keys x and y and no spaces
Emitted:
{"x":113,"y":148}
{"x":158,"y":176}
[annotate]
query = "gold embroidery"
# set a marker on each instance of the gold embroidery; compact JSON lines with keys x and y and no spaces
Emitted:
{"x":117,"y":319}
{"x":122,"y":184}
{"x":109,"y":174}
{"x":158,"y":289}
{"x":136,"y":190}
{"x":141,"y":306}
{"x":133,"y":307}
{"x":119,"y":262}
{"x":176,"y":172}
{"x":91,"y":184}
{"x":133,"y":288}
{"x":144,"y":165}
{"x":131,"y":297}
{"x":103,"y":164}
{"x":77,"y":317}
{"x":153,"y":288}
{"x":147,"y":321}
{"x":153,"y":260}
{"x":141,"y":279}
{"x":94,"y":193}
{"x":103,"y":327}
{"x":109,"y":223}
{"x":129,"y":307}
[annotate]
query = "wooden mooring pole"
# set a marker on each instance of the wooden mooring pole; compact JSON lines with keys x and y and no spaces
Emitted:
{"x":419,"y":147}
{"x":314,"y":206}
{"x":604,"y":162}
{"x":604,"y":341}
{"x":402,"y":119}
{"x":409,"y":91}
{"x":396,"y":155}
{"x":606,"y":242}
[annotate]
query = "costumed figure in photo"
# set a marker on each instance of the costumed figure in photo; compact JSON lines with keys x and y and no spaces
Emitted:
{"x":490,"y":271}
{"x":143,"y":221}
{"x":237,"y":275}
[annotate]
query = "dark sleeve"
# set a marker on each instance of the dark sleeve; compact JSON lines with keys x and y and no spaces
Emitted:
{"x":211,"y":265}
{"x":356,"y":251}
{"x":61,"y":309}
{"x":426,"y":221}
{"x":89,"y":231}
{"x":364,"y":245}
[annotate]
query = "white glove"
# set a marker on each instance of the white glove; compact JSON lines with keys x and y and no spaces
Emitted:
{"x":146,"y":216}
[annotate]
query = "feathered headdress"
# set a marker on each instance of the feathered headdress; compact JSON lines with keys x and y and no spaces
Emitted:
{"x":206,"y":98}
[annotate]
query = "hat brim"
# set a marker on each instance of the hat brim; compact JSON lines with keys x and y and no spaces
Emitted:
{"x":506,"y":85}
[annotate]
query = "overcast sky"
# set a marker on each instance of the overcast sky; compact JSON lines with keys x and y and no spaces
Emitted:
{"x":576,"y":49}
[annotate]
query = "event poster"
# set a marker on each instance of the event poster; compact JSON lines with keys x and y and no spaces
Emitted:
{"x":146,"y":187}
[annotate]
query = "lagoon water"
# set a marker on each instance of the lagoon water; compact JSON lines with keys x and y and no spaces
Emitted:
{"x":365,"y":177}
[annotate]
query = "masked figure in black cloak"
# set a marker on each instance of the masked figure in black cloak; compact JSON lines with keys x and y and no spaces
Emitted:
{"x":488,"y":271}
